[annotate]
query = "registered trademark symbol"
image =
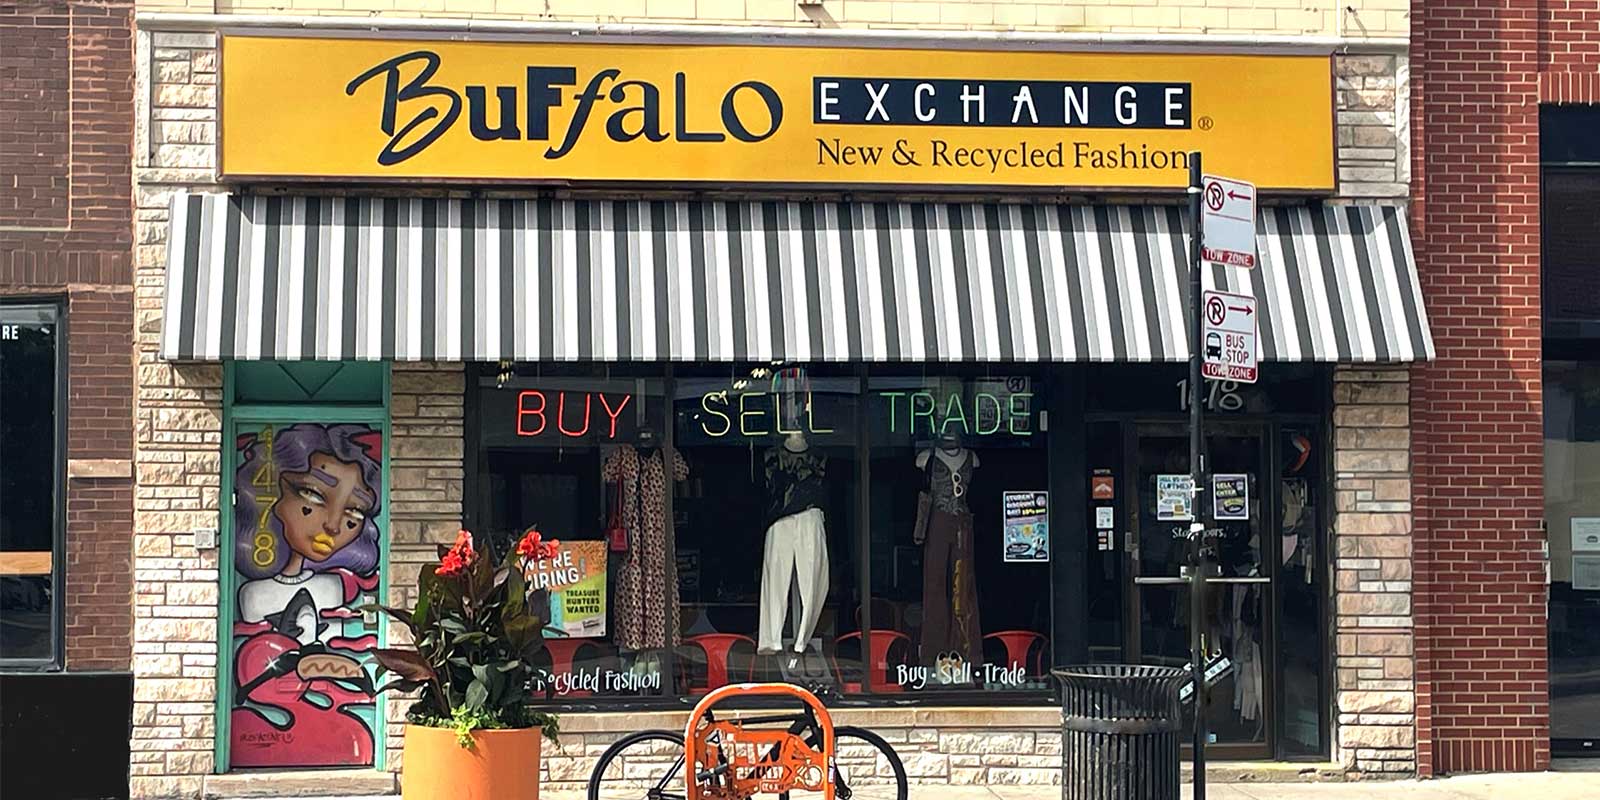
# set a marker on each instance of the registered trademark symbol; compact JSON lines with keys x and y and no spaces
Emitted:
{"x":1206,"y":123}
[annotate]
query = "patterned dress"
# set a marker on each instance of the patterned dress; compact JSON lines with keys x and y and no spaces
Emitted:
{"x":645,"y":609}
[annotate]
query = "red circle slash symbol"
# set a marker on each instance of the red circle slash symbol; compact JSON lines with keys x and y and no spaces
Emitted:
{"x":1214,"y":197}
{"x":1216,"y":311}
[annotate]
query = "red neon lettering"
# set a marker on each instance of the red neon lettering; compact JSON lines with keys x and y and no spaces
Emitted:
{"x":614,"y":414}
{"x":523,"y":411}
{"x":561,"y":415}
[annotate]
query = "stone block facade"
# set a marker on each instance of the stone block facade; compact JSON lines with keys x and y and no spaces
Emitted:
{"x":939,"y":746}
{"x":178,"y":456}
{"x":1373,"y":651}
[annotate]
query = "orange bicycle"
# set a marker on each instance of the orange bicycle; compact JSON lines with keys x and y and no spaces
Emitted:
{"x":736,"y":758}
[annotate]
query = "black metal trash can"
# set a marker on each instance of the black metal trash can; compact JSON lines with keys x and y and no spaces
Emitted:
{"x":1121,"y":727}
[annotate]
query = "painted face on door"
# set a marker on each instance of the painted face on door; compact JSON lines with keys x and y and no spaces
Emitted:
{"x":323,"y":509}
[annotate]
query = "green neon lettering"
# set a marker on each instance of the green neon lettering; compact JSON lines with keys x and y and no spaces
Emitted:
{"x":745,"y":413}
{"x":705,"y":403}
{"x":977,"y":411}
{"x":954,"y":410}
{"x":777,"y":414}
{"x":1021,"y":413}
{"x":915,"y":396}
{"x":811,"y":416}
{"x":890,"y":396}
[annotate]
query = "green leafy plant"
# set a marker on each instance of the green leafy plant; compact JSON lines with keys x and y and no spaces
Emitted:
{"x":475,"y":631}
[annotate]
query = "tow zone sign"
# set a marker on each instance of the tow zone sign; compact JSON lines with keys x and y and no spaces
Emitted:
{"x":1229,"y":337}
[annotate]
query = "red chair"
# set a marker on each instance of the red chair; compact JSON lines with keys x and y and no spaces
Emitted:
{"x":1018,"y":644}
{"x":878,"y":676}
{"x":562,"y":653}
{"x":717,"y":647}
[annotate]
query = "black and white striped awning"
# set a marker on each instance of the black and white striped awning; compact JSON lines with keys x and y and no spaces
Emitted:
{"x":271,"y":277}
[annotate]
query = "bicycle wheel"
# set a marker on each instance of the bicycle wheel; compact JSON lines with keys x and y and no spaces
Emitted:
{"x":647,"y":765}
{"x":867,"y":767}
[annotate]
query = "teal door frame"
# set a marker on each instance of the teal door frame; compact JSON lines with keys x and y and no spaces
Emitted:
{"x":233,"y":414}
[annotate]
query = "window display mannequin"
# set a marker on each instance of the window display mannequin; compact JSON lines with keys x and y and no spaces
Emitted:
{"x":796,"y":550}
{"x":645,"y":610}
{"x":949,"y":585}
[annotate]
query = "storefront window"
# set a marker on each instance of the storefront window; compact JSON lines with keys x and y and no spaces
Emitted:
{"x":579,"y":453}
{"x":30,"y":474}
{"x":960,"y":533}
{"x":767,"y":524}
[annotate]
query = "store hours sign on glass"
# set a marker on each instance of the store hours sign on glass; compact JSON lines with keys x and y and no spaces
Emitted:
{"x":331,"y":107}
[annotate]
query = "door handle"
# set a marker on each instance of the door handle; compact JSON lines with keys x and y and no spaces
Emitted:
{"x":1161,"y":581}
{"x":1238,"y":580}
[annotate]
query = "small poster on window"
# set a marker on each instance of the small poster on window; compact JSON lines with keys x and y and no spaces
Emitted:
{"x":1230,"y":496}
{"x":1026,"y":526}
{"x":576,"y":578}
{"x":1173,"y":495}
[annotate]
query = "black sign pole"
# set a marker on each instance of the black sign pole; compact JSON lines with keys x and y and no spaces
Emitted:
{"x":1197,"y":571}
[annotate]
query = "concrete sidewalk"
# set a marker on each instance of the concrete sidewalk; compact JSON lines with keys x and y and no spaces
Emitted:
{"x":1534,"y":786}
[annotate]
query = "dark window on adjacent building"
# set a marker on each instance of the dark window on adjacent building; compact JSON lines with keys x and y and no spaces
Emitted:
{"x":30,"y":484}
{"x":1570,"y":254}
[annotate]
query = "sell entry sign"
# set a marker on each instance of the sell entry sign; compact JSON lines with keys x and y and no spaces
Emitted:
{"x":1229,"y":337}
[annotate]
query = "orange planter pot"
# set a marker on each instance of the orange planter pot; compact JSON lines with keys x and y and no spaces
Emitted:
{"x":501,"y":765}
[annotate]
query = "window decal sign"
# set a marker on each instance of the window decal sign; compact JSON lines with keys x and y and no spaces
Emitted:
{"x":576,"y":579}
{"x":1173,"y":496}
{"x":1026,"y":526}
{"x":321,"y":107}
{"x":1230,"y":496}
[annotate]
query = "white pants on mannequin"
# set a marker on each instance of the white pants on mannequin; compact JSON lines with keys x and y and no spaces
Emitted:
{"x":796,"y":549}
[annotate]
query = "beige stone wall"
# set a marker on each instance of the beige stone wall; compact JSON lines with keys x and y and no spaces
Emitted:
{"x":960,"y":746}
{"x":426,"y":477}
{"x":1359,"y":19}
{"x":1375,"y":696}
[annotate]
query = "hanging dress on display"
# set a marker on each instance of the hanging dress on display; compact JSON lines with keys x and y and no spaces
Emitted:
{"x":645,"y":607}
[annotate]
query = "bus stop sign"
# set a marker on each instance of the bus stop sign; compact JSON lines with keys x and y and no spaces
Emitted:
{"x":1229,"y":337}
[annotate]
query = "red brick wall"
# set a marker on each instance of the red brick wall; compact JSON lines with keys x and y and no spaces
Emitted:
{"x":66,"y":229}
{"x":1478,"y":438}
{"x":1569,"y":51}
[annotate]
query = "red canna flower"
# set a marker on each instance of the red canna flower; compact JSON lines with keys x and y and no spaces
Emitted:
{"x":459,"y":557}
{"x":533,"y":547}
{"x":450,"y":566}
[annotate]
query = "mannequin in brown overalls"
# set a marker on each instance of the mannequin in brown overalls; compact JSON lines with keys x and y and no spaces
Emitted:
{"x":949,"y":585}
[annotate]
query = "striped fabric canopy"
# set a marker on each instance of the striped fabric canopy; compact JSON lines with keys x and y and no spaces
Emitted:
{"x":271,"y":277}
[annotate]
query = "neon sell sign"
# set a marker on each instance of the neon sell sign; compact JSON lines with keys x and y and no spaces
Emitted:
{"x":572,"y":413}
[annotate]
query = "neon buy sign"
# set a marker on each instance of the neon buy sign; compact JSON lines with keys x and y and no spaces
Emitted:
{"x":572,"y":413}
{"x":984,"y":415}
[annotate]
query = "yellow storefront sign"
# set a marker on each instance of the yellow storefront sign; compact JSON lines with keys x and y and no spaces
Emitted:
{"x":703,"y":114}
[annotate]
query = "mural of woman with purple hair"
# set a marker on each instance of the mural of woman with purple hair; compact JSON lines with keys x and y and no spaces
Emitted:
{"x":323,"y":487}
{"x":305,"y":507}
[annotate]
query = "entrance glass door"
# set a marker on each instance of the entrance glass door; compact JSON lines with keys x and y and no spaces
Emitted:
{"x":1240,"y":707}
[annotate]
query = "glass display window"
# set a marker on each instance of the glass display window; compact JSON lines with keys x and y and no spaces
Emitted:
{"x":580,"y":452}
{"x":960,"y":532}
{"x":31,"y":428}
{"x":767,"y":533}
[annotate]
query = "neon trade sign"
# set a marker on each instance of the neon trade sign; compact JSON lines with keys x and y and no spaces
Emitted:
{"x":984,"y":414}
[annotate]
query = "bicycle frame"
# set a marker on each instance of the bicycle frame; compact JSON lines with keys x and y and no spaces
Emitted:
{"x":748,"y":762}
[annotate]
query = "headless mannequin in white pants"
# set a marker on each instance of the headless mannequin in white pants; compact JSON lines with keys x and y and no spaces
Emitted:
{"x":796,"y":550}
